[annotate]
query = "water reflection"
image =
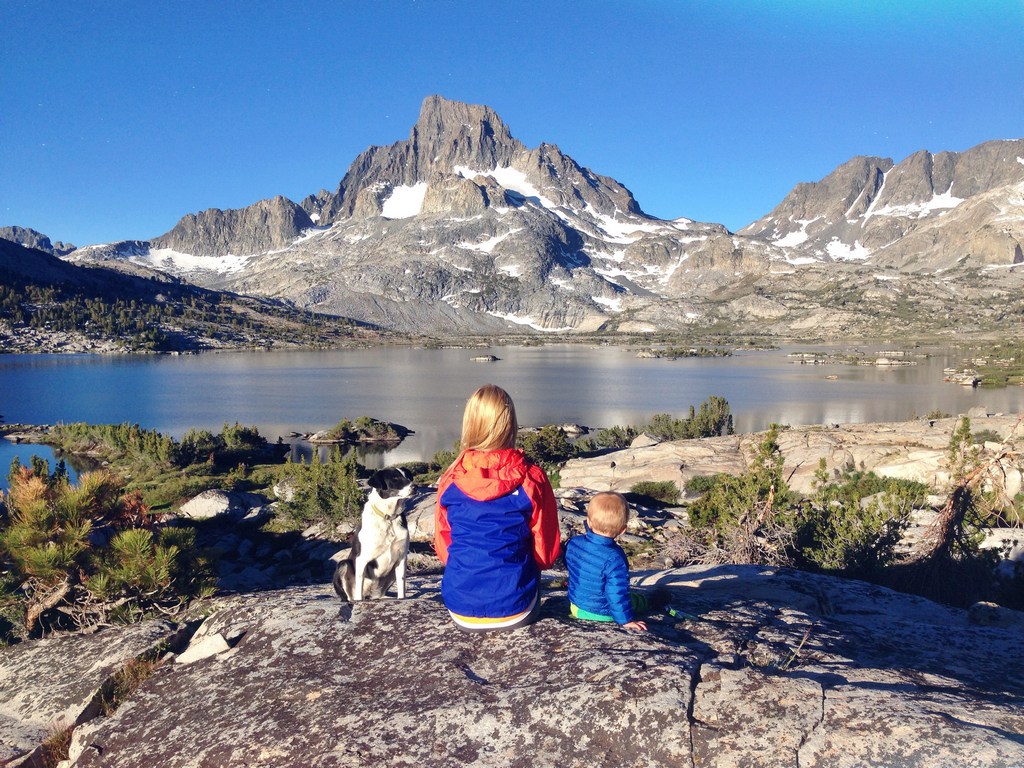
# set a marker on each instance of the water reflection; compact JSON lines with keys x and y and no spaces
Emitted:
{"x":371,"y":456}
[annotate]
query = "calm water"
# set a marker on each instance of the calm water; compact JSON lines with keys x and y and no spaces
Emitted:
{"x":425,"y":389}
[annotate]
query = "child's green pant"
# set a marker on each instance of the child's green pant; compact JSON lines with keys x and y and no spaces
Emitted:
{"x":640,"y":603}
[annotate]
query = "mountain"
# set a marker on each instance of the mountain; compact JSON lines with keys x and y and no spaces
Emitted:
{"x":32,"y":239}
{"x":462,"y":228}
{"x":48,"y":304}
{"x":267,"y":225}
{"x":926,"y":213}
{"x":458,"y":228}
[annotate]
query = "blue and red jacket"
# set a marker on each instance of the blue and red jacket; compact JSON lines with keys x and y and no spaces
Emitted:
{"x":495,"y":529}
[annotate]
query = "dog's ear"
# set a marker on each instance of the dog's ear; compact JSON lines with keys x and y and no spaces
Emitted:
{"x":378,"y":481}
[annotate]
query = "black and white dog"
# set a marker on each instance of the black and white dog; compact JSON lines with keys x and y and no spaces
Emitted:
{"x":380,"y":545}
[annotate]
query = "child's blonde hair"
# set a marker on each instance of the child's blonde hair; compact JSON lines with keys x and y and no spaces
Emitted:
{"x":608,"y":513}
{"x":489,"y":421}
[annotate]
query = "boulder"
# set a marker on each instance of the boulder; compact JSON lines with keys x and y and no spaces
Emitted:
{"x":644,"y":440}
{"x":675,"y":462}
{"x":284,"y":490}
{"x":758,"y":666}
{"x":49,"y":684}
{"x":218,"y":503}
{"x":419,"y":516}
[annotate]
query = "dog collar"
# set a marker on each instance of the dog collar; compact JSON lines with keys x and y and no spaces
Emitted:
{"x":381,"y":513}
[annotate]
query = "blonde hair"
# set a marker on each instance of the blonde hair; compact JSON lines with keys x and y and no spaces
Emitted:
{"x":489,"y":421}
{"x":608,"y":513}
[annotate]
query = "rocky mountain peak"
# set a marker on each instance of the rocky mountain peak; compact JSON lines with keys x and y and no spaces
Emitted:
{"x":451,"y":138}
{"x":447,"y":136}
{"x":30,"y":238}
{"x":451,"y":133}
{"x":263,"y":226}
{"x":873,"y":208}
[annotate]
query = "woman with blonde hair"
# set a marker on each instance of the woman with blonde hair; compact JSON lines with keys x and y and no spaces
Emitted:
{"x":496,"y":522}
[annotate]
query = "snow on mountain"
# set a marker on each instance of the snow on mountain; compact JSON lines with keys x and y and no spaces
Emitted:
{"x":404,"y":201}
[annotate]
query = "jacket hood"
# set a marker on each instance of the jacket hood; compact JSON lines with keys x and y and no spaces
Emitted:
{"x":486,"y":475}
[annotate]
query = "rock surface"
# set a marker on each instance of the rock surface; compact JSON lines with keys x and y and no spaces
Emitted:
{"x":49,"y":684}
{"x":762,"y":667}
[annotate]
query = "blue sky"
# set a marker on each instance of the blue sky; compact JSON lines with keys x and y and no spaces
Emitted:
{"x":119,"y":117}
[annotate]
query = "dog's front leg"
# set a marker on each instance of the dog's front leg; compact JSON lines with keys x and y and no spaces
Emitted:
{"x":400,"y":578}
{"x":359,"y":568}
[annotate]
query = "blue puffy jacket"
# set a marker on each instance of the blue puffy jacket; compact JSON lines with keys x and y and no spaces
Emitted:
{"x":599,"y":576}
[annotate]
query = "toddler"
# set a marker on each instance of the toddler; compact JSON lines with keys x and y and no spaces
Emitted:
{"x":598,"y":570}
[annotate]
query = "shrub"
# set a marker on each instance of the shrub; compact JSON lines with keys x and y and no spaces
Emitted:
{"x":664,"y":491}
{"x":548,"y":446}
{"x":950,"y":565}
{"x":750,"y":518}
{"x":699,"y":484}
{"x":138,"y":449}
{"x":235,"y":444}
{"x":324,"y":491}
{"x":986,"y":436}
{"x":854,"y":524}
{"x":87,"y":554}
{"x":242,"y":442}
{"x":610,"y":437}
{"x":710,"y":420}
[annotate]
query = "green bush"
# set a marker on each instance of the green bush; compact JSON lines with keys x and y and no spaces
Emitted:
{"x":854,"y":524}
{"x":116,"y":443}
{"x":548,"y":446}
{"x":731,"y":497}
{"x":85,"y":554}
{"x":664,"y":491}
{"x":986,"y":436}
{"x":750,"y":518}
{"x":699,"y":484}
{"x":323,"y":491}
{"x":610,"y":437}
{"x":851,"y":524}
{"x":235,"y":444}
{"x":710,"y":420}
{"x":145,"y":450}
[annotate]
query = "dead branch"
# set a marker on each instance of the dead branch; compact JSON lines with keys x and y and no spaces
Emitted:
{"x":42,"y":601}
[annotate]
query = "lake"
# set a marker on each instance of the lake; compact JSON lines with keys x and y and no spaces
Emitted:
{"x":426,"y":389}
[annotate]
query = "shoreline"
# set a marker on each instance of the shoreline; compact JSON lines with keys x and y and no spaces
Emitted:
{"x":80,"y":345}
